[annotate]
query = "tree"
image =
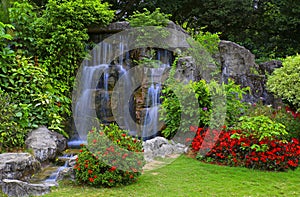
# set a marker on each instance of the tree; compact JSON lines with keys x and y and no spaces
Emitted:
{"x":269,"y":28}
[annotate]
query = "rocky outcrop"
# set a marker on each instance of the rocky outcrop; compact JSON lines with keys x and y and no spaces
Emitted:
{"x":161,"y":147}
{"x":111,"y":28}
{"x":238,"y":63}
{"x":45,"y":144}
{"x":19,"y":166}
{"x":17,"y":188}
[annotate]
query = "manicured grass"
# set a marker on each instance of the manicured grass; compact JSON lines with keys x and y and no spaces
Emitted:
{"x":188,"y":177}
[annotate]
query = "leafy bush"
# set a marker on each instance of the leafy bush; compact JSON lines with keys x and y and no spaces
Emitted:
{"x":285,"y":82}
{"x":228,"y":150}
{"x":37,"y":103}
{"x":62,"y":36}
{"x":283,"y":115}
{"x":146,"y":18}
{"x":6,"y":54}
{"x":111,"y":158}
{"x":261,"y":127}
{"x":171,"y":111}
{"x":171,"y":108}
{"x":234,"y":105}
{"x":11,"y":134}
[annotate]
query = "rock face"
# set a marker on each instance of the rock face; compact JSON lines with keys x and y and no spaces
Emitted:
{"x":45,"y":144}
{"x":161,"y":147}
{"x":19,"y":166}
{"x":239,"y":64}
{"x":265,"y":69}
{"x":18,"y":188}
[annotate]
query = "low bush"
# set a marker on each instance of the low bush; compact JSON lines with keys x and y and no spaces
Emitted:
{"x":282,"y":115}
{"x":110,"y":158}
{"x":246,"y":150}
{"x":284,"y":82}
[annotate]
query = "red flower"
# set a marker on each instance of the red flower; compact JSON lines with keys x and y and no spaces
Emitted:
{"x":131,"y":176}
{"x":193,"y":129}
{"x":111,"y":181}
{"x":80,"y":150}
{"x":91,"y":180}
{"x":124,"y":156}
{"x":90,"y":171}
{"x":113,"y":168}
{"x":123,"y":135}
{"x":94,"y":141}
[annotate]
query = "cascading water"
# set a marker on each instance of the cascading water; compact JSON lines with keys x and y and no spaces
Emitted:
{"x":87,"y":87}
{"x":108,"y":63}
{"x":151,"y":120}
{"x":54,"y":176}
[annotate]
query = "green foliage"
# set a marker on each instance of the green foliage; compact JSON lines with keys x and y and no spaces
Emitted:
{"x":278,"y":115}
{"x":146,"y":18}
{"x":4,"y":15}
{"x":210,"y":41}
{"x":285,"y":82}
{"x":22,"y":16}
{"x":224,"y":99}
{"x":37,"y":103}
{"x":11,"y":134}
{"x":149,"y":28}
{"x":261,"y":127}
{"x":111,"y":158}
{"x":234,"y":105}
{"x":271,"y":29}
{"x":50,"y":45}
{"x":172,"y":109}
{"x":6,"y":54}
{"x":62,"y":31}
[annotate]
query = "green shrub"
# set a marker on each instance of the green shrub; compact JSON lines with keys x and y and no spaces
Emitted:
{"x":12,"y":136}
{"x":261,"y":127}
{"x":171,"y":108}
{"x":235,"y":107}
{"x":111,"y":158}
{"x":36,"y":102}
{"x":285,"y":82}
{"x":6,"y":54}
{"x":146,"y":18}
{"x":175,"y":96}
{"x":278,"y":115}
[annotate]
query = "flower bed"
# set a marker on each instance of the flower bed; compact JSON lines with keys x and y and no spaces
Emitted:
{"x":227,"y":149}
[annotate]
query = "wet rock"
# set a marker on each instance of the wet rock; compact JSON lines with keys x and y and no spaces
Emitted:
{"x":17,"y":188}
{"x":45,"y":144}
{"x":18,"y":166}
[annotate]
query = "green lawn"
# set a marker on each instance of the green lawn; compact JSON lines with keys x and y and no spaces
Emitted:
{"x":188,"y":177}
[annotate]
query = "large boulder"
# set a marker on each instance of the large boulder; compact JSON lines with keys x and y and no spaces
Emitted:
{"x":161,"y":147}
{"x":45,"y":144}
{"x":17,"y":188}
{"x":19,"y":166}
{"x":238,"y":63}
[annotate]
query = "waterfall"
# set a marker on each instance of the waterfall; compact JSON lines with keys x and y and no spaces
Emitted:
{"x":85,"y":104}
{"x":108,"y":63}
{"x":151,"y":120}
{"x":54,"y":176}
